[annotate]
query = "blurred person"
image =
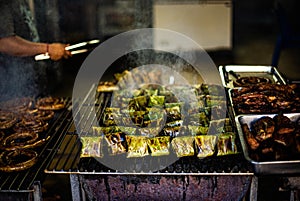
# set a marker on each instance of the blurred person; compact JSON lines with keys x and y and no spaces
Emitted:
{"x":20,"y":74}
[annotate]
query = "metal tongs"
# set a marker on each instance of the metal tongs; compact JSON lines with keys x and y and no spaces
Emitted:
{"x":71,"y":47}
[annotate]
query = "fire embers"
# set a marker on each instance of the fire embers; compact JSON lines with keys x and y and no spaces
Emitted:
{"x":276,"y":138}
{"x":152,"y":121}
{"x":23,"y":127}
{"x":265,"y":99}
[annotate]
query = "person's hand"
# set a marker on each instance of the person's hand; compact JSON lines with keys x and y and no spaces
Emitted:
{"x":57,"y":51}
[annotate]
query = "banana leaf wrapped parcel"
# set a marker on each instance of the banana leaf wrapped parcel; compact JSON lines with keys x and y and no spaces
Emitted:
{"x":198,"y":130}
{"x":116,"y":143}
{"x":199,"y":119}
{"x":155,"y":100}
{"x":98,"y":131}
{"x":137,"y":146}
{"x":109,"y":116}
{"x":227,"y":144}
{"x":149,"y":131}
{"x":216,"y":126}
{"x":183,"y":146}
{"x":205,"y":145}
{"x":159,"y":146}
{"x":172,"y":131}
{"x":155,"y":120}
{"x":91,"y":146}
{"x":173,"y":113}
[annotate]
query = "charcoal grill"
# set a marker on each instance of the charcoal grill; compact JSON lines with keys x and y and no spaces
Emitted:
{"x":26,"y":185}
{"x":217,"y":178}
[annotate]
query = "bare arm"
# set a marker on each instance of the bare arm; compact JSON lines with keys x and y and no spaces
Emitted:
{"x":17,"y":46}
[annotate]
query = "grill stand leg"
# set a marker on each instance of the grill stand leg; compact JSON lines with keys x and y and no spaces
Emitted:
{"x":254,"y":188}
{"x":292,"y":196}
{"x":37,"y":191}
{"x":75,"y":188}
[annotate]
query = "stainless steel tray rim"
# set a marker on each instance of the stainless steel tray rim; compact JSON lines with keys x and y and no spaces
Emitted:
{"x":223,"y":70}
{"x":267,"y":167}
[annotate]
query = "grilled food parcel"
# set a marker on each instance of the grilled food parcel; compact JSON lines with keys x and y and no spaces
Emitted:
{"x":265,"y":99}
{"x":273,"y":138}
{"x":23,"y":124}
{"x":152,"y":121}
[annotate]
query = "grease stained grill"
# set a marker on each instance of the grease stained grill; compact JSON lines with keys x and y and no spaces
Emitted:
{"x":90,"y":179}
{"x":67,"y":159}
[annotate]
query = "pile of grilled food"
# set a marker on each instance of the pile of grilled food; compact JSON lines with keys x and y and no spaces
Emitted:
{"x":273,"y":138}
{"x":23,"y":125}
{"x":265,"y":98}
{"x":152,"y":121}
{"x":272,"y":133}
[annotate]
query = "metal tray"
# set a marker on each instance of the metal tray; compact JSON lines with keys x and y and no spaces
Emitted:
{"x":231,"y":110}
{"x":269,"y":72}
{"x":269,"y":167}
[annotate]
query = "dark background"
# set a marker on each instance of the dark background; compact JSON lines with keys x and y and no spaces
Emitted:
{"x":254,"y":33}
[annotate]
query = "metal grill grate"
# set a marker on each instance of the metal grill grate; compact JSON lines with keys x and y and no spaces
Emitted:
{"x":23,"y":181}
{"x":67,"y":158}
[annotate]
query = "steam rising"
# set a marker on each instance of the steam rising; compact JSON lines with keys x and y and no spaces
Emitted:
{"x":134,"y":51}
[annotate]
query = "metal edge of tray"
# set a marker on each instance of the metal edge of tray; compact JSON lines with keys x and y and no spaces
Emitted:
{"x":231,"y":109}
{"x":268,"y":167}
{"x":223,"y":76}
{"x":248,"y":68}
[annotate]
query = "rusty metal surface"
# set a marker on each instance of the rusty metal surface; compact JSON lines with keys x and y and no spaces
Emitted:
{"x":163,"y":187}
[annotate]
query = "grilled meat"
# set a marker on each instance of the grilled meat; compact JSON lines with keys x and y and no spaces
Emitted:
{"x":276,"y":138}
{"x":264,"y":128}
{"x":17,"y":160}
{"x":266,"y":98}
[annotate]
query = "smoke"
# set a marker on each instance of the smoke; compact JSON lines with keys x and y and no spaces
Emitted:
{"x":146,"y":65}
{"x":145,"y":54}
{"x":21,"y":78}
